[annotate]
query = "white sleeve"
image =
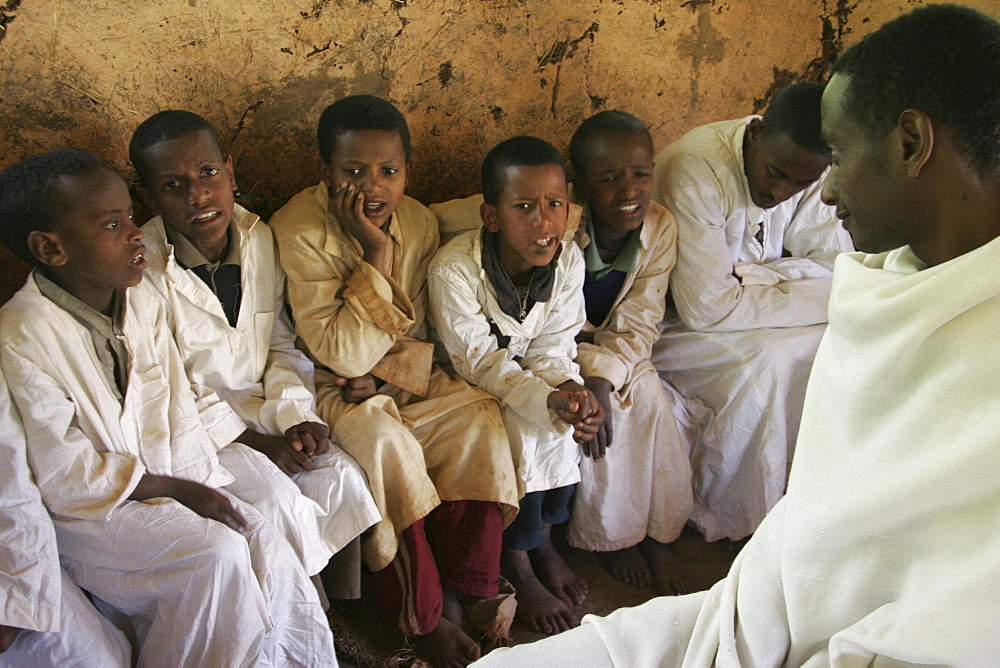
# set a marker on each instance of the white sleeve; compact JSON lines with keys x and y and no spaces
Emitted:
{"x":707,"y":292}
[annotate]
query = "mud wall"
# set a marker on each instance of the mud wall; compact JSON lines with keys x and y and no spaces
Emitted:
{"x":467,"y":73}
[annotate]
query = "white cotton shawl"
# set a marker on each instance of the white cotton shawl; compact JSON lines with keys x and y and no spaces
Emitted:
{"x":886,"y":548}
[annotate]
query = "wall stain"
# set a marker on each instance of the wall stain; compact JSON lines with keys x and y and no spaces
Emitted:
{"x":497,"y":113}
{"x":7,"y":14}
{"x":317,"y":9}
{"x":559,"y":52}
{"x":565,"y":49}
{"x":444,"y":73}
{"x":318,"y":49}
{"x":835,"y":27}
{"x":242,"y":122}
{"x":702,"y":44}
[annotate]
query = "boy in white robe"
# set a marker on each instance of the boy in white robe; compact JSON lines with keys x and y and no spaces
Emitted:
{"x":506,"y":301}
{"x":637,"y":499}
{"x":755,"y":253}
{"x":123,"y":450}
{"x":216,"y":265}
{"x":886,"y":549}
{"x":45,"y":619}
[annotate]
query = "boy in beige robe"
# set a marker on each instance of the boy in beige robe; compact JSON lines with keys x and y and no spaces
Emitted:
{"x":356,"y":251}
{"x":638,"y":497}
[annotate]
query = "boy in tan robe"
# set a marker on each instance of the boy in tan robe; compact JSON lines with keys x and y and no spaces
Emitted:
{"x":638,"y":498}
{"x":356,"y":251}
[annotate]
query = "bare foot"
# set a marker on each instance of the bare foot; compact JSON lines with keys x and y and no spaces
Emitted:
{"x":553,"y":572}
{"x":628,"y":565}
{"x":669,"y":576}
{"x":447,"y":646}
{"x":536,"y":606}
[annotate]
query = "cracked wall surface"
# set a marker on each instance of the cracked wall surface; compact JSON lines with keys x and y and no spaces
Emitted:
{"x":467,"y":73}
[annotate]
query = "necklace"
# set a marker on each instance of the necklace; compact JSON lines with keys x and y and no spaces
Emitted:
{"x":522,"y":302}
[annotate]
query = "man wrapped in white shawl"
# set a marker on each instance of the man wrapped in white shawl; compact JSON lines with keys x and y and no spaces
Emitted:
{"x":886,"y":548}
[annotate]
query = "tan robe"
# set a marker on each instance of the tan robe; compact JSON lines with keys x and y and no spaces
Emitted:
{"x":643,"y":486}
{"x":425,"y":437}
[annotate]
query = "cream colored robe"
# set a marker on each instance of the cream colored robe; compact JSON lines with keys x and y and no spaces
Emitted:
{"x":538,"y":358}
{"x":196,"y":591}
{"x":60,"y":626}
{"x":256,"y":368}
{"x":886,"y":549}
{"x":747,"y":320}
{"x":425,"y":437}
{"x":643,"y":486}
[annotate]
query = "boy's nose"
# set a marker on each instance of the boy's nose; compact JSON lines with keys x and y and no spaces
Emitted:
{"x":197,"y":194}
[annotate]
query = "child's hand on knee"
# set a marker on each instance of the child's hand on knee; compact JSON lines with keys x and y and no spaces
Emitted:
{"x":209,"y":503}
{"x":312,"y":438}
{"x":289,"y":460}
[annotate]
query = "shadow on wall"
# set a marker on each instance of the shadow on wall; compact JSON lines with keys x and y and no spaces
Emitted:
{"x":466,"y":73}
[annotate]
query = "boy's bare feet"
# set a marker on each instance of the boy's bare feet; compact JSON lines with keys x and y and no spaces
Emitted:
{"x":628,"y":565}
{"x":668,"y":574}
{"x":536,"y":606}
{"x":447,"y":646}
{"x":553,"y":572}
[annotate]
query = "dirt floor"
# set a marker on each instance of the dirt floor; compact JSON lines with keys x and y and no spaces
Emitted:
{"x":369,"y":642}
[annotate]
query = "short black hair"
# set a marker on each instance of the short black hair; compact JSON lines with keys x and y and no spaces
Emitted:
{"x":515,"y":152}
{"x":599,"y":125}
{"x":360,"y":112}
{"x":164,"y":126}
{"x":941,"y":59}
{"x":794,"y":111}
{"x":28,"y":196}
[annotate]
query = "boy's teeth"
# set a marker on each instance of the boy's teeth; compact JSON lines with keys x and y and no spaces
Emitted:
{"x":206,"y":216}
{"x":629,"y":208}
{"x":544,"y":242}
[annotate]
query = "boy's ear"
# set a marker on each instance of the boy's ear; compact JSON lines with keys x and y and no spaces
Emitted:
{"x":46,"y":248}
{"x":488,"y":212}
{"x":324,"y":173}
{"x":231,"y":172}
{"x":754,"y":129}
{"x":916,"y":140}
{"x":406,"y":179}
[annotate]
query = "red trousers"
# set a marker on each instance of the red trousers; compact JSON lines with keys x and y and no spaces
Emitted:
{"x":458,"y":546}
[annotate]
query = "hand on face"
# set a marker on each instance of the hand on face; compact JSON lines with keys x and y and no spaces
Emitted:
{"x":348,"y":205}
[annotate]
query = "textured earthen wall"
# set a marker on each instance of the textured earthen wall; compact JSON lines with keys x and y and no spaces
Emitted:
{"x":467,"y":73}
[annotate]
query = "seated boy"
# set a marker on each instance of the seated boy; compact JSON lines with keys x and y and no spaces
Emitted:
{"x":45,"y":619}
{"x":356,"y":252}
{"x":215,"y":264}
{"x":123,"y":450}
{"x":506,"y":301}
{"x":639,"y":497}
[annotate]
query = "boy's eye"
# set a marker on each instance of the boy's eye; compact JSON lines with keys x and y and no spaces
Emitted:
{"x":643,"y":173}
{"x":556,"y":203}
{"x":523,"y":206}
{"x":210,"y":171}
{"x":389,"y":171}
{"x":112,"y":224}
{"x":610,"y":179}
{"x":171,"y":184}
{"x":352,"y":171}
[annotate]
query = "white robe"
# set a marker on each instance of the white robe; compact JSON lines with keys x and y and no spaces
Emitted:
{"x":60,"y":626}
{"x":643,"y":486}
{"x":886,"y":549}
{"x":747,"y":320}
{"x":538,"y":358}
{"x":256,"y":368}
{"x":196,"y":591}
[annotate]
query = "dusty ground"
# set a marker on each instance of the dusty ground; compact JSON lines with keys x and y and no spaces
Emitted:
{"x":370,"y":642}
